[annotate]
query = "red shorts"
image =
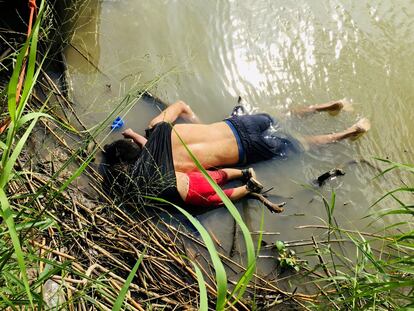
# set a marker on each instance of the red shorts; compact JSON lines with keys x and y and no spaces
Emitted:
{"x":201,"y":193}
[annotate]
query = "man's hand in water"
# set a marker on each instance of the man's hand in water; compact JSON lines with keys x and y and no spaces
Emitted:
{"x":138,"y":139}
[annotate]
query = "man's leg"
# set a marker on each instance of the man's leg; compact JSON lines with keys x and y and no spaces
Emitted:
{"x":353,"y":132}
{"x":333,"y":108}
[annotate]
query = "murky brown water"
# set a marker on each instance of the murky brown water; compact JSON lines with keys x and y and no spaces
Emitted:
{"x":277,"y":55}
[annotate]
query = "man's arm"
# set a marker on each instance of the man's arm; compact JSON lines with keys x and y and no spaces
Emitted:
{"x":138,"y":139}
{"x":171,"y":113}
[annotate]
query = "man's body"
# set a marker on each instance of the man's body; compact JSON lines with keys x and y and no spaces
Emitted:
{"x":215,"y":145}
{"x":238,"y":140}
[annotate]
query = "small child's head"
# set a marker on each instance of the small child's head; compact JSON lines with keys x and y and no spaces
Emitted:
{"x":123,"y":151}
{"x":119,"y":158}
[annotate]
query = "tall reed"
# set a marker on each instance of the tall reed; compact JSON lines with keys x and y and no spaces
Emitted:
{"x":12,"y":144}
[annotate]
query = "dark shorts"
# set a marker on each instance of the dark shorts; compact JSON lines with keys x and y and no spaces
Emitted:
{"x":259,"y":140}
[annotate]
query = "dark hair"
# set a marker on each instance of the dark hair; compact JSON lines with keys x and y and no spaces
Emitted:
{"x":121,"y":151}
{"x":119,"y":157}
{"x":117,"y":179}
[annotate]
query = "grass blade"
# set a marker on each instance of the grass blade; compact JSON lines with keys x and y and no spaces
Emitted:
{"x":221,"y":276}
{"x":120,"y":299}
{"x":30,"y":79}
{"x":7,"y":215}
{"x":5,"y":175}
{"x":202,"y":288}
{"x":30,"y":116}
{"x":14,"y":80}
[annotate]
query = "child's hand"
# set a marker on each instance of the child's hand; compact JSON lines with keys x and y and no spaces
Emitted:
{"x":128,"y":133}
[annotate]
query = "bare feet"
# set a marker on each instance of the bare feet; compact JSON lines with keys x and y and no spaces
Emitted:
{"x":334,"y":107}
{"x":353,"y":132}
{"x":346,"y":105}
{"x":359,"y":128}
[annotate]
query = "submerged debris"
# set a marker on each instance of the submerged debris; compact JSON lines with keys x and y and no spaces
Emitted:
{"x":322,"y":179}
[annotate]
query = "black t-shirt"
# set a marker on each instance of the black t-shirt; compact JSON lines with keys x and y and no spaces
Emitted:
{"x":153,"y":173}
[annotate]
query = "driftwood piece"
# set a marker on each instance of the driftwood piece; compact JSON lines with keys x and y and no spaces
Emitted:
{"x":273,"y":207}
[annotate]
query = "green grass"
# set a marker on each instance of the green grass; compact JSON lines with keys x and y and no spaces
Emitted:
{"x":12,"y":146}
{"x":20,"y":217}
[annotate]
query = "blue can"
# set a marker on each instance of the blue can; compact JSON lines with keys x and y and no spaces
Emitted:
{"x":117,"y":124}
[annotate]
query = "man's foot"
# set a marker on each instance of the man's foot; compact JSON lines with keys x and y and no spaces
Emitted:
{"x":360,"y":128}
{"x":253,"y":185}
{"x":247,"y":174}
{"x":334,"y":107}
{"x":346,"y":105}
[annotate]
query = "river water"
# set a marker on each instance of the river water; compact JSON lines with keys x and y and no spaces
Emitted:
{"x":277,"y":55}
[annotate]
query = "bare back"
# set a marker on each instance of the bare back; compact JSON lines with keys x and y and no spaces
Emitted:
{"x":214,"y":145}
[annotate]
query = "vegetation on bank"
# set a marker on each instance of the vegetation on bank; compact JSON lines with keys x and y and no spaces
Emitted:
{"x":65,"y":244}
{"x":377,"y":272}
